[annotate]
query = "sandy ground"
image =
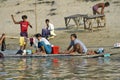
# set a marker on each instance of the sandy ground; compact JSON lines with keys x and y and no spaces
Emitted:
{"x":56,"y":10}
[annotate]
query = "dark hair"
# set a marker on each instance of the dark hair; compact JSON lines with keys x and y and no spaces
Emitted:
{"x":24,"y":17}
{"x":74,"y":35}
{"x":47,"y":20}
{"x":107,"y":4}
{"x":38,"y":35}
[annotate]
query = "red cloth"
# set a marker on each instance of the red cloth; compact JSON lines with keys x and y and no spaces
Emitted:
{"x":31,"y":39}
{"x":24,"y":26}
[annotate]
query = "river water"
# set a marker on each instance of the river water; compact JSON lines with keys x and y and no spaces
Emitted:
{"x":60,"y":68}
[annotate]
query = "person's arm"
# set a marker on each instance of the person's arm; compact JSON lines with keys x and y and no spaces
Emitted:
{"x":30,"y":25}
{"x":69,"y":52}
{"x":14,"y":20}
{"x":2,"y":38}
{"x":102,"y":9}
{"x":69,"y":47}
{"x":71,"y":44}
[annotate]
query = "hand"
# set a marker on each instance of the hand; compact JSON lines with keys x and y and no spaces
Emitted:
{"x":3,"y":34}
{"x":12,"y":15}
{"x":30,"y":26}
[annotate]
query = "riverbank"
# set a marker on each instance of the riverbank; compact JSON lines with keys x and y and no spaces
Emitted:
{"x":56,"y":11}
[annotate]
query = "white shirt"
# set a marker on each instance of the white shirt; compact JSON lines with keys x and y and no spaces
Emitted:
{"x":51,"y":27}
{"x":45,"y":41}
{"x":35,"y":41}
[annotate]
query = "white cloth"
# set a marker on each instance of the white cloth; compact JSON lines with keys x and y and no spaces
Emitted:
{"x":45,"y":41}
{"x":52,"y":33}
{"x":35,"y":41}
{"x":51,"y":27}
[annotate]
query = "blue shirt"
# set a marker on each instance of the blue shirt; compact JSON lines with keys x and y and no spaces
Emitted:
{"x":76,"y":41}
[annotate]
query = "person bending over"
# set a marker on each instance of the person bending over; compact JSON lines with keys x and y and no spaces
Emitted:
{"x":101,"y":6}
{"x":76,"y":45}
{"x":43,"y":44}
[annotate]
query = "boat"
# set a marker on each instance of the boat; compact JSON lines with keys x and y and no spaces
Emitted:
{"x":60,"y":55}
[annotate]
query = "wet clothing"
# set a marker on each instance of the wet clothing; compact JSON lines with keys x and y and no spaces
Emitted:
{"x":31,"y":42}
{"x":35,"y":41}
{"x":76,"y":41}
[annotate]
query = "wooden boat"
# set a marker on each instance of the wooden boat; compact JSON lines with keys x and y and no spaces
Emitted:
{"x":60,"y":55}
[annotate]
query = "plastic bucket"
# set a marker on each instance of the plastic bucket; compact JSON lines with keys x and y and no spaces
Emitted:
{"x":55,"y":50}
{"x":107,"y":55}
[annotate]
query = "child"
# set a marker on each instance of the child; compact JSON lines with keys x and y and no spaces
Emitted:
{"x":43,"y":44}
{"x":100,"y":5}
{"x":24,"y":28}
{"x":23,"y":25}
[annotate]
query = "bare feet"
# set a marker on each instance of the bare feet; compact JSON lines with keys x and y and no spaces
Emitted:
{"x":90,"y":52}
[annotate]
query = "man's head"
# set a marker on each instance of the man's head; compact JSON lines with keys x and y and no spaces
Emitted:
{"x":47,"y":21}
{"x":73,"y":37}
{"x":107,"y":4}
{"x":24,"y":17}
{"x":38,"y":36}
